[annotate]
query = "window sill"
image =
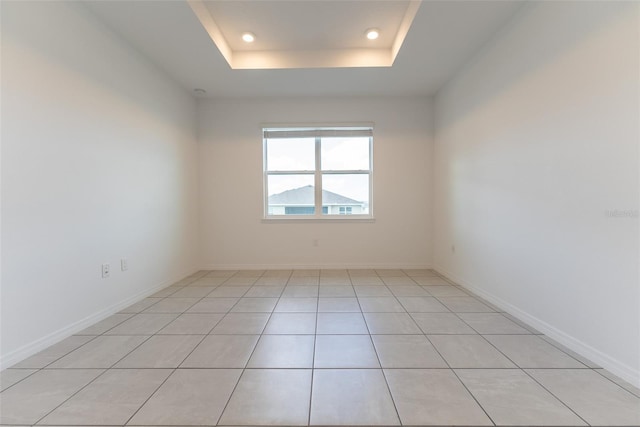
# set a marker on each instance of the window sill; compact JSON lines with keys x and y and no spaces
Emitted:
{"x":326,"y":219}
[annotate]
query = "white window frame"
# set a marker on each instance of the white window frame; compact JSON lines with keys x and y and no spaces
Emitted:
{"x":317,"y":132}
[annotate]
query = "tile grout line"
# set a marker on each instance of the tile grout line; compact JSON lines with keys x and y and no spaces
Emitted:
{"x":113,"y":365}
{"x":313,"y":359}
{"x":552,"y":394}
{"x":527,"y":333}
{"x":243,"y":370}
{"x":338,"y":368}
{"x":176,"y":368}
{"x":527,"y":374}
{"x":36,"y":370}
{"x":108,"y":329}
{"x":619,"y":385}
{"x":94,"y":337}
{"x":460,"y":381}
{"x":150,"y":396}
{"x":559,"y":347}
{"x":105,"y":370}
{"x":531,"y":335}
{"x":228,"y":311}
{"x":262,"y":333}
{"x":375,"y":350}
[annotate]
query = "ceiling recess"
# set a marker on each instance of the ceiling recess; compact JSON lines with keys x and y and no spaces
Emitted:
{"x":307,"y":34}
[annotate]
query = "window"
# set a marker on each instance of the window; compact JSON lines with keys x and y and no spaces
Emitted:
{"x":318,"y":172}
{"x":346,"y":210}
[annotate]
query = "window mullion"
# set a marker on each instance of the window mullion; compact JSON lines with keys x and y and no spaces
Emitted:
{"x":265,"y":177}
{"x":346,"y":172}
{"x":305,"y":172}
{"x":318,"y":179}
{"x":370,"y":175}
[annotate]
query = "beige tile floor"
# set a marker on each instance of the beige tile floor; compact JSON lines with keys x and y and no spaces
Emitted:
{"x":312,"y":347}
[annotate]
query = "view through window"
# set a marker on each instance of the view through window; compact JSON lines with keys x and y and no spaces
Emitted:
{"x":318,"y":172}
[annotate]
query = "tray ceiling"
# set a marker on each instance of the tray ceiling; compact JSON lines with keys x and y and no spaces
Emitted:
{"x":308,"y":33}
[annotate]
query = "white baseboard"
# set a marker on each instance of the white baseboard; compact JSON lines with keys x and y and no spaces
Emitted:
{"x":27,"y":350}
{"x":312,"y":266}
{"x":609,"y":363}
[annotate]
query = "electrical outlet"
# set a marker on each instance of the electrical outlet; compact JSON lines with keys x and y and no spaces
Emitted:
{"x":106,"y":270}
{"x":124,"y":264}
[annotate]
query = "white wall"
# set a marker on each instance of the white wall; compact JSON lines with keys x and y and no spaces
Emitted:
{"x":98,"y":162}
{"x":232,"y":230}
{"x":536,"y":139}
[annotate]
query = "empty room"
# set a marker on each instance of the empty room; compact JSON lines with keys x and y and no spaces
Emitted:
{"x":320,"y":213}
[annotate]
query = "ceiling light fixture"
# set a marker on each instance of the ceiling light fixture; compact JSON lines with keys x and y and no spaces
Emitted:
{"x":372,"y":33}
{"x":248,"y":37}
{"x":199,"y":91}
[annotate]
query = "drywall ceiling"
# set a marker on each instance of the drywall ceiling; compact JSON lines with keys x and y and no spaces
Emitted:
{"x":306,"y":34}
{"x":307,"y":25}
{"x":443,"y":36}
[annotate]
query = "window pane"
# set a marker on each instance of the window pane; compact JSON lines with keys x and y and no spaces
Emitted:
{"x":344,"y":194}
{"x":347,"y":153}
{"x":290,"y":195}
{"x":299,"y":210}
{"x":291,"y":154}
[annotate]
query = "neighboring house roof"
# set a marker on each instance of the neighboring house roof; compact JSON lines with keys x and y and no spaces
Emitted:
{"x":305,"y":196}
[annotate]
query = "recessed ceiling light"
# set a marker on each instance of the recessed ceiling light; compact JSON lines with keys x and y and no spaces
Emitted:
{"x":372,"y":33}
{"x":248,"y":37}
